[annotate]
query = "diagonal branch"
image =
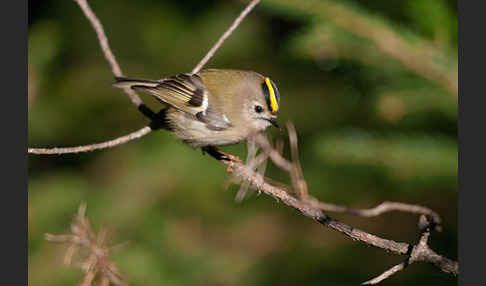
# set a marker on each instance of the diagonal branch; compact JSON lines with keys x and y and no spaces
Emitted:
{"x":259,"y":182}
{"x":312,"y":208}
{"x":225,"y":35}
{"x":399,"y":248}
{"x":386,"y":274}
{"x":110,"y":57}
{"x":294,"y":168}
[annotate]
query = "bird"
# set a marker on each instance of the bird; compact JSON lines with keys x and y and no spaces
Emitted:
{"x":213,"y":107}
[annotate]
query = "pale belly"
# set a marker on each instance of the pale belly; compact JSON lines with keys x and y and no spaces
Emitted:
{"x":195,"y":132}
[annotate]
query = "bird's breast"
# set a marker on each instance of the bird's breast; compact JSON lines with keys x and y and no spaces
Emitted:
{"x":197,"y":133}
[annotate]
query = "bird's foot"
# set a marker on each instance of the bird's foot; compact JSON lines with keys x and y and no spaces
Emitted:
{"x":220,"y":155}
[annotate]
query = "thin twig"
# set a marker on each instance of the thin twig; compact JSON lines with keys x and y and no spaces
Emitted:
{"x":223,"y":37}
{"x":272,"y":153}
{"x":83,"y":4}
{"x":386,"y":274}
{"x":294,"y":168}
{"x":312,"y":208}
{"x":297,"y":175}
{"x":378,"y":210}
{"x":105,"y":47}
{"x":252,"y":150}
{"x":420,"y":252}
{"x":86,"y":148}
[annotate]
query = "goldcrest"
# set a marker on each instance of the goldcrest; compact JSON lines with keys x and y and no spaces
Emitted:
{"x":213,"y":107}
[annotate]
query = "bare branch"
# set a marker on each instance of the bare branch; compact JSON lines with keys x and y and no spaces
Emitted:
{"x":252,"y":162}
{"x":312,"y":208}
{"x":110,"y":57}
{"x":386,"y":274}
{"x":306,"y":209}
{"x":297,"y":175}
{"x":295,"y":171}
{"x":115,"y":68}
{"x":420,"y":252}
{"x":293,"y":168}
{"x":378,"y":210}
{"x":225,"y":35}
{"x":272,"y":153}
{"x":86,"y":148}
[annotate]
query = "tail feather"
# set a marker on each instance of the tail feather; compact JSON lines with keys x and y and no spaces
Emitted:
{"x":123,"y":82}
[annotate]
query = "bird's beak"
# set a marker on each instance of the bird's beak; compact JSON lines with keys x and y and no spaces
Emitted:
{"x":274,"y":122}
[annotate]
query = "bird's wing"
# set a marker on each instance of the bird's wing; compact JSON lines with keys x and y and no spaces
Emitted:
{"x":214,"y":120}
{"x":184,"y":92}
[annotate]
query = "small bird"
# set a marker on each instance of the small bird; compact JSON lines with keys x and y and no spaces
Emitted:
{"x":213,"y":107}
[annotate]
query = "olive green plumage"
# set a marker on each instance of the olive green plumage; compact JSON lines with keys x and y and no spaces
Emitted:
{"x":213,"y":107}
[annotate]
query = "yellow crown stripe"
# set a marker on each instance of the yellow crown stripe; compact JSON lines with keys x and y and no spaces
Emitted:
{"x":273,"y":99}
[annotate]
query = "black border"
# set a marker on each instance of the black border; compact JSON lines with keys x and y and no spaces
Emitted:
{"x":472,"y":142}
{"x":13,"y":212}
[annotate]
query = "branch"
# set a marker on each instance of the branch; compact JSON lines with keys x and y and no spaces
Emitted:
{"x":379,"y":209}
{"x":386,"y":274}
{"x":115,"y":68}
{"x":86,"y":148}
{"x":258,"y":181}
{"x":294,"y":168}
{"x":420,"y":252}
{"x":312,"y":208}
{"x":83,"y":4}
{"x":225,"y":35}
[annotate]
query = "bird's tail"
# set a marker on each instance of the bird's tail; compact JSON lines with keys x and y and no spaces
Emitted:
{"x":123,"y":82}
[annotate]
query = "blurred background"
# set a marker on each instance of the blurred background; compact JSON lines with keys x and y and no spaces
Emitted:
{"x":371,"y":87}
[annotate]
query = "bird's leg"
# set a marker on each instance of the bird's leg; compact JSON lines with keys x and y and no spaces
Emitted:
{"x":220,"y":155}
{"x":215,"y":153}
{"x":158,"y":120}
{"x":145,"y":110}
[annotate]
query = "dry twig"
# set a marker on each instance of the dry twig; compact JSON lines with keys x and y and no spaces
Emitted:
{"x":312,"y":208}
{"x":225,"y":35}
{"x":98,"y":263}
{"x":86,"y":148}
{"x":110,"y":57}
{"x":420,"y":252}
{"x":382,"y":208}
{"x":92,"y":247}
{"x":83,"y":4}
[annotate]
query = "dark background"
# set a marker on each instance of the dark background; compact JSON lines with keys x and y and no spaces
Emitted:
{"x":372,"y":124}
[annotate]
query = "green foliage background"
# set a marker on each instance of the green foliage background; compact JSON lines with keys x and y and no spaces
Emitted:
{"x":370,"y":129}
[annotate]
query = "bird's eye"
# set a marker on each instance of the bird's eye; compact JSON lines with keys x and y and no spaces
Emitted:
{"x":258,"y":109}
